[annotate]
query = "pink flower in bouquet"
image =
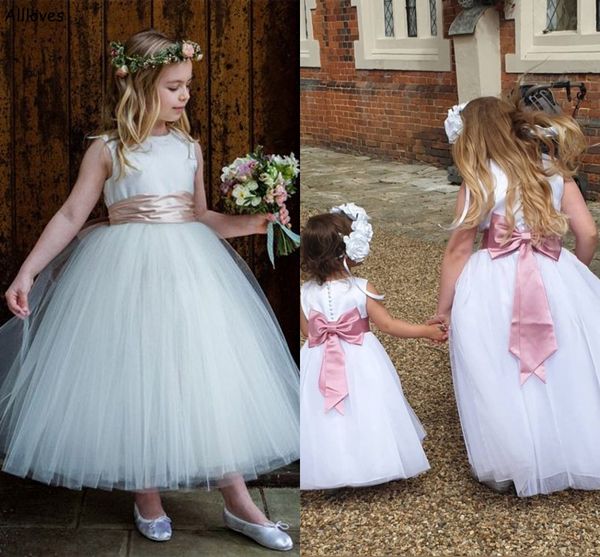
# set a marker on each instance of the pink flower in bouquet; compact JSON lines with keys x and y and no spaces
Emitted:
{"x":280,"y":195}
{"x":226,"y":187}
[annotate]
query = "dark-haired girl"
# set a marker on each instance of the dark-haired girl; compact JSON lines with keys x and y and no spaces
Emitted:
{"x":357,"y":428}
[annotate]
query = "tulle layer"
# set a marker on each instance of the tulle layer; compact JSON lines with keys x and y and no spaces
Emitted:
{"x":151,"y":360}
{"x":542,"y":436}
{"x":378,"y":439}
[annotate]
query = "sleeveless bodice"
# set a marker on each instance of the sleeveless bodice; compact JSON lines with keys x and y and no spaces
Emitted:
{"x":163,"y":165}
{"x":500,"y":190}
{"x":334,"y":297}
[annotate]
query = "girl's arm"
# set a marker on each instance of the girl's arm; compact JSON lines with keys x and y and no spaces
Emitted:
{"x":96,"y":167}
{"x":581,"y":222}
{"x":458,"y":251}
{"x":228,"y":226}
{"x":396,"y":327}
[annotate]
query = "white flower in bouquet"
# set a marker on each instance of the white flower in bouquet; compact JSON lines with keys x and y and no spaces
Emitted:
{"x":289,"y":163}
{"x":267,"y":179}
{"x":244,"y":194}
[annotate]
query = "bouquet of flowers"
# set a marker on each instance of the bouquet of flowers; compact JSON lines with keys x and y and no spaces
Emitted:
{"x":259,"y":183}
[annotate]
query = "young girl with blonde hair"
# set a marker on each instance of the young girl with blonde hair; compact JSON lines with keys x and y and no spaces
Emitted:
{"x":146,"y":357}
{"x":524,"y":312}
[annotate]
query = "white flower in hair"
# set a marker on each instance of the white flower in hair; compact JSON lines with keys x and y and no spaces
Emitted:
{"x":357,"y":247}
{"x":357,"y":242}
{"x":453,"y":123}
{"x":351,"y":210}
{"x":364,"y":228}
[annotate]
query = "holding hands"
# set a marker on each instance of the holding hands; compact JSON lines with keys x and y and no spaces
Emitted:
{"x":441,"y":322}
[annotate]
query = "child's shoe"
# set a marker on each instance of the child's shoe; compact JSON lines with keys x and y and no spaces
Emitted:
{"x":270,"y":535}
{"x":157,"y":529}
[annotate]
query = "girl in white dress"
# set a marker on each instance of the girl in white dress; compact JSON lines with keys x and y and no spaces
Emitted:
{"x":146,"y":357}
{"x":525,"y":314}
{"x":357,"y":429}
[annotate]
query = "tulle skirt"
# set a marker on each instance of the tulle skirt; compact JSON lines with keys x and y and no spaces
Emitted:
{"x":377,"y":440}
{"x":151,"y":360}
{"x":542,"y":436}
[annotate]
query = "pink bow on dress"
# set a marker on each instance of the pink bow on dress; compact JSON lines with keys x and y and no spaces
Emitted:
{"x":351,"y":328}
{"x":532,"y":338}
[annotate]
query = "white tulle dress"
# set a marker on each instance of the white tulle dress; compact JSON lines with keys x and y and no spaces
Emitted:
{"x":378,"y":437}
{"x":544,"y":436}
{"x":151,"y":358}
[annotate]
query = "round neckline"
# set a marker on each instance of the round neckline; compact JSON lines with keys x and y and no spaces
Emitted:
{"x":161,"y":136}
{"x":336,"y":280}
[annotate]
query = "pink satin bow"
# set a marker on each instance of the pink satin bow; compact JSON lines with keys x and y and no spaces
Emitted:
{"x":532,"y":338}
{"x":350,"y":327}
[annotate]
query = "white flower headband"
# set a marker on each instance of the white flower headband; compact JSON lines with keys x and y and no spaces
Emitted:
{"x":357,"y":242}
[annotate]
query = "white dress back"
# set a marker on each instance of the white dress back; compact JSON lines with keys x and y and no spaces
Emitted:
{"x":334,"y":297}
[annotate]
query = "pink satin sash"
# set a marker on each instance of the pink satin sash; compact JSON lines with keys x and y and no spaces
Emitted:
{"x":532,"y":338}
{"x":171,"y":208}
{"x":350,"y":327}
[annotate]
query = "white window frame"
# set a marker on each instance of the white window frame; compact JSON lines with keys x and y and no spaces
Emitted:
{"x":556,"y":51}
{"x":376,"y":51}
{"x":310,"y":56}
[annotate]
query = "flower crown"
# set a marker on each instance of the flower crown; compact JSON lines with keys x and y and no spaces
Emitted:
{"x":179,"y":52}
{"x":357,"y":242}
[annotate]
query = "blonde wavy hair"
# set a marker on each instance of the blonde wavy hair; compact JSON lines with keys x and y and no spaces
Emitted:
{"x":133,"y":103}
{"x":507,"y":133}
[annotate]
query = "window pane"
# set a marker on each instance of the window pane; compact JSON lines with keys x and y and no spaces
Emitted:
{"x":388,"y":14}
{"x":561,"y":15}
{"x":411,"y":17}
{"x":433,"y":17}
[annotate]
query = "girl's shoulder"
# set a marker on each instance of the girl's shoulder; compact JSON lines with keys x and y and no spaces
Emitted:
{"x":108,"y":136}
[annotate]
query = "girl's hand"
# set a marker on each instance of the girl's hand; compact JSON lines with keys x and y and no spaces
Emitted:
{"x":264,"y":220}
{"x":440,"y":318}
{"x":437,"y":332}
{"x":16,"y":295}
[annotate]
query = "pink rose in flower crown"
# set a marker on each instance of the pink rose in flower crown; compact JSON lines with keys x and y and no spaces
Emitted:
{"x":122,"y":72}
{"x":187,"y":50}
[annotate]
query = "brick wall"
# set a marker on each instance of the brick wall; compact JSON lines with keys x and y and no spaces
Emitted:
{"x":400,"y":114}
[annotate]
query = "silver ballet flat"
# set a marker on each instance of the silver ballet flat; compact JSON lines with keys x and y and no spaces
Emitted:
{"x":156,"y":529}
{"x":270,"y":535}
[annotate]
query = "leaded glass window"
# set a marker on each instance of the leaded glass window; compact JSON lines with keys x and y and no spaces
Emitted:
{"x":561,"y":15}
{"x":388,"y":15}
{"x":433,"y":17}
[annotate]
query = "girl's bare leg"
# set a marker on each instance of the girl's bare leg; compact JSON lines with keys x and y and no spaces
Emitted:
{"x":149,"y":504}
{"x":238,"y":501}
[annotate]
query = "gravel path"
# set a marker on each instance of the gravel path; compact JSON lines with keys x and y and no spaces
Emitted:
{"x":445,"y":511}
